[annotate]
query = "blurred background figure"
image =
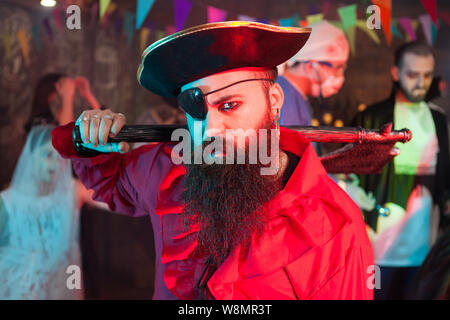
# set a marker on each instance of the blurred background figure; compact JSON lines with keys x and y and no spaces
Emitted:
{"x":39,"y":211}
{"x":315,"y":71}
{"x":54,"y":99}
{"x":414,"y":188}
{"x":39,"y":229}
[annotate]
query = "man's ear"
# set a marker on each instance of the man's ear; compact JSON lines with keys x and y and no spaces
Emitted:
{"x":394,"y":73}
{"x":276,"y":98}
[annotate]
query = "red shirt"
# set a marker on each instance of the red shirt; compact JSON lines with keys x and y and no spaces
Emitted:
{"x":314,"y":245}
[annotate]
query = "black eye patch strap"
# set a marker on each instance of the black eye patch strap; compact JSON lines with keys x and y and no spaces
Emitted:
{"x":193,"y":102}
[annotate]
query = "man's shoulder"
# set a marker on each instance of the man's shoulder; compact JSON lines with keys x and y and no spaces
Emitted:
{"x":436,"y":107}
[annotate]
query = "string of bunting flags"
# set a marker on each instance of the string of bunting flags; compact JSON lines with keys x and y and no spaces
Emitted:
{"x":351,"y":18}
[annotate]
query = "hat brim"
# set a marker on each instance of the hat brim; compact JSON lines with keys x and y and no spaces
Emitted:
{"x":201,"y":51}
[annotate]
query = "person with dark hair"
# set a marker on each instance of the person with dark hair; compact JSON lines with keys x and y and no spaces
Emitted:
{"x":414,"y":188}
{"x":225,"y":228}
{"x":39,"y":211}
{"x":54,"y":97}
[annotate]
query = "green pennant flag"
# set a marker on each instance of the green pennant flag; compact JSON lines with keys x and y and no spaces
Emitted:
{"x":348,"y":18}
{"x":395,"y":30}
{"x":361,"y":24}
{"x":7,"y":42}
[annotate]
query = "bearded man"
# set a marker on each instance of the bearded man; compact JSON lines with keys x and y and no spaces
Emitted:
{"x":414,"y":188}
{"x":223,"y":229}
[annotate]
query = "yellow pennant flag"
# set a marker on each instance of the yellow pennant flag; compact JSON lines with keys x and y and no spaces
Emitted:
{"x":314,"y":18}
{"x":144,"y":36}
{"x":7,"y":41}
{"x":361,"y":24}
{"x":103,"y":6}
{"x":111,"y":8}
{"x":160,"y":35}
{"x":23,"y":41}
{"x":415,"y":24}
{"x":351,"y":32}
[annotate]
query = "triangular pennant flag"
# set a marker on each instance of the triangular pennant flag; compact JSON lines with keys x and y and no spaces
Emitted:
{"x":395,"y":30}
{"x":7,"y":42}
{"x":109,"y":12}
{"x":263,"y":21}
{"x":314,"y":18}
{"x":425,"y":21}
{"x":216,"y":15}
{"x":386,"y":16}
{"x":48,"y":27}
{"x":35,"y":32}
{"x":111,"y":8}
{"x":406,"y":24}
{"x":287,"y":22}
{"x":291,"y":21}
{"x":103,"y":6}
{"x":182,"y":9}
{"x":58,"y":19}
{"x":415,"y":24}
{"x":361,"y":24}
{"x":434,"y":31}
{"x":23,"y":41}
{"x":351,"y":32}
{"x":107,"y":16}
{"x":160,"y":34}
{"x":303,"y":23}
{"x":348,"y":16}
{"x":128,"y":26}
{"x":144,"y":36}
{"x":242,"y":17}
{"x":142,"y":10}
{"x":430,"y":7}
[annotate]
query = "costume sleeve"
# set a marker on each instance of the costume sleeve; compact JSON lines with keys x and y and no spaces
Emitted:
{"x":128,"y":183}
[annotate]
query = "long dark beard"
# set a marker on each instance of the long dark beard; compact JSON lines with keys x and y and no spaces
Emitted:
{"x":226,"y":200}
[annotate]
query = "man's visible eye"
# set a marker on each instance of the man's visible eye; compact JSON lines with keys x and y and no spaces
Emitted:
{"x":228,"y":106}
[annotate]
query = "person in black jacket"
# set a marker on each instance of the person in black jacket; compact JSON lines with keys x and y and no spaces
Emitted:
{"x":412,"y":190}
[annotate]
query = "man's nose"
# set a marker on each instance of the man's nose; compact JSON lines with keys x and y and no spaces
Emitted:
{"x":420,"y":81}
